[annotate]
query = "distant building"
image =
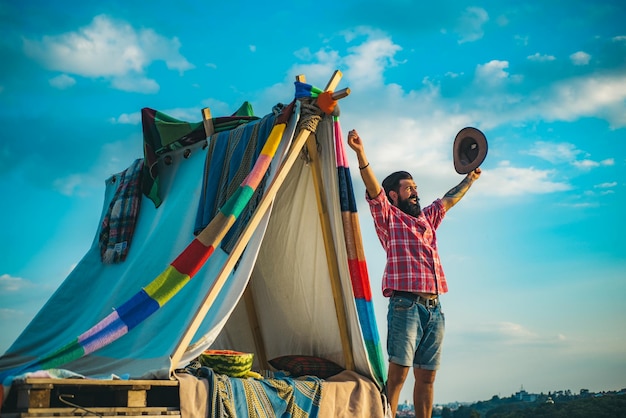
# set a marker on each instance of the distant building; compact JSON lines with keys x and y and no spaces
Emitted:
{"x":406,"y":406}
{"x":524,"y":396}
{"x":405,"y":410}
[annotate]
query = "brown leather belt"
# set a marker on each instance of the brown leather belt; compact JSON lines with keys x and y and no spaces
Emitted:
{"x":428,"y":302}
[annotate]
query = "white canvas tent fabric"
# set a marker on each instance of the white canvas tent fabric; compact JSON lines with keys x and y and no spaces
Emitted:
{"x":285,"y":263}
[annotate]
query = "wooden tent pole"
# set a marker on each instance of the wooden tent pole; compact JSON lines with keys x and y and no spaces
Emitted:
{"x":331,"y":253}
{"x":240,"y":245}
{"x":253,"y":319}
{"x":329,"y":242}
{"x":207,"y":120}
{"x":334,"y":81}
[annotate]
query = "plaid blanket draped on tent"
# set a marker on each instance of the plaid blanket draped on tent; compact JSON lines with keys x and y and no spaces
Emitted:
{"x":118,"y":224}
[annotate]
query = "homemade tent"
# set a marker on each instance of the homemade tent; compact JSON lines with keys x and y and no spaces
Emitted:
{"x":236,"y":233}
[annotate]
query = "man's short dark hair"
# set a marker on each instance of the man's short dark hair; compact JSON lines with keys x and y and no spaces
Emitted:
{"x":392,"y":181}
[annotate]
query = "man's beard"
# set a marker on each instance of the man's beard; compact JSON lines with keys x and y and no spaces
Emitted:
{"x":410,"y":208}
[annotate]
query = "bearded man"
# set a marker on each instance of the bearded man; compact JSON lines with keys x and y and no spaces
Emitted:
{"x":413,"y":278}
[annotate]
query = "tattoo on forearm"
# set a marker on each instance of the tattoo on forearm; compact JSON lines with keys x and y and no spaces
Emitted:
{"x":459,"y":190}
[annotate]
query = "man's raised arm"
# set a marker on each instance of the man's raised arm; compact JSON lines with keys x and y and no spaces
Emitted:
{"x":457,"y":192}
{"x":367,"y":174}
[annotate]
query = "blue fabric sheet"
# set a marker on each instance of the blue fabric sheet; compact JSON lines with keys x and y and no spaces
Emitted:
{"x":230,"y":158}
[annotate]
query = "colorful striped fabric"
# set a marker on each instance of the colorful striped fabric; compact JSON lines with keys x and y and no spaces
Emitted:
{"x":354,"y":247}
{"x":306,"y":90}
{"x":356,"y":260}
{"x":156,"y":294}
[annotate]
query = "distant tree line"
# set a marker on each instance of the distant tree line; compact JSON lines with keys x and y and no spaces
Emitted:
{"x":602,"y":407}
{"x":609,"y":406}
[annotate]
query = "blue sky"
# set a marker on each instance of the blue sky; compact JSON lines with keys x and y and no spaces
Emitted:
{"x":534,"y":253}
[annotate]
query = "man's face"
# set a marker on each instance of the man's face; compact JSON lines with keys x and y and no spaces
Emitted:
{"x":407,"y":200}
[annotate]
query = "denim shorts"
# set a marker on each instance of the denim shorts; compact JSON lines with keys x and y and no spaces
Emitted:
{"x":414,"y":333}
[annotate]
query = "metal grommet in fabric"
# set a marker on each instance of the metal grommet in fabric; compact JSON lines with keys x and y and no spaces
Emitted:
{"x":187,"y":153}
{"x":167,"y":160}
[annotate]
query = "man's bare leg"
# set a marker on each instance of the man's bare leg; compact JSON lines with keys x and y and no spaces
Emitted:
{"x":395,"y":380}
{"x":423,"y":392}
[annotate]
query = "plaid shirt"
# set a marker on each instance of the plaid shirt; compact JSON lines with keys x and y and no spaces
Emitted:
{"x":413,"y":263}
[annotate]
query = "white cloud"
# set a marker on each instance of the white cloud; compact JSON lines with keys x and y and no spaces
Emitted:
{"x":304,"y":54}
{"x":110,"y":49}
{"x":587,"y":164}
{"x":502,"y":20}
{"x":492,"y":72}
{"x":506,"y":180}
{"x":521,"y":40}
{"x":495,"y":103}
{"x":602,"y":96}
{"x":540,"y":57}
{"x":9,"y":283}
{"x":368,"y":60}
{"x":9,"y":314}
{"x":510,"y":333}
{"x":69,"y":185}
{"x":62,"y":81}
{"x":451,"y":74}
{"x":128,"y":118}
{"x":363,"y":65}
{"x":582,"y":205}
{"x":580,"y":58}
{"x":512,"y":330}
{"x":470,"y":25}
{"x":563,"y":152}
{"x":554,"y":152}
{"x":606,"y":185}
{"x":135,"y":83}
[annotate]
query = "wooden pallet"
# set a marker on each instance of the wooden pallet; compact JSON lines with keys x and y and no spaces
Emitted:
{"x":40,"y":397}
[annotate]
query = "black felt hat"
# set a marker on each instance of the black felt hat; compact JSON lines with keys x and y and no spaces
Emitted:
{"x":469,"y":150}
